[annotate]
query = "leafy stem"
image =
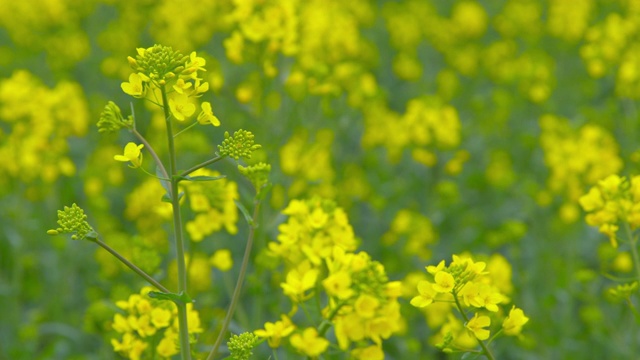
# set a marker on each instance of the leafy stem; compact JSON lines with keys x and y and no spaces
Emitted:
{"x":236,"y":292}
{"x":201,"y":165}
{"x":131,"y":266}
{"x":177,"y":228}
{"x":485,"y":350}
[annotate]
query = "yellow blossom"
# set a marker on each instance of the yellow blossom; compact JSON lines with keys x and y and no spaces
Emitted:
{"x":206,"y":116}
{"x":132,"y":154}
{"x":512,"y":325}
{"x":274,"y":332}
{"x":309,"y":343}
{"x":222,"y":260}
{"x":427,"y":294}
{"x":180,"y":107}
{"x":444,"y":282}
{"x":477,"y":326}
{"x":134,"y":87}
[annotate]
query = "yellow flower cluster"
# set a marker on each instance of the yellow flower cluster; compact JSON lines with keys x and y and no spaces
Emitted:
{"x":213,"y":205}
{"x":611,"y":203}
{"x":317,"y":246}
{"x":149,"y":327}
{"x":468,"y":285}
{"x":40,"y":124}
{"x":161,"y":67}
{"x":55,"y":28}
{"x":298,"y":153}
{"x":575,"y":158}
{"x":611,"y":49}
{"x":427,"y":124}
{"x":418,"y":231}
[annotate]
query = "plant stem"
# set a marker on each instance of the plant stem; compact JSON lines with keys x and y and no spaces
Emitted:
{"x":131,"y":266}
{"x":485,"y":350}
{"x":633,"y":242}
{"x":154,"y":155}
{"x":185,"y":350}
{"x":236,"y":292}
{"x":201,"y":165}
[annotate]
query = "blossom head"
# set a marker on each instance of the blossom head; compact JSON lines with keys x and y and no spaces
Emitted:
{"x":158,"y":63}
{"x":72,"y":220}
{"x":131,"y":154}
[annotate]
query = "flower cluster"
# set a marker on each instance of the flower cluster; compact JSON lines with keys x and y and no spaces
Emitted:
{"x":418,"y":231}
{"x":36,"y":128}
{"x":300,"y":151}
{"x":111,"y":119}
{"x":258,"y":174}
{"x":241,"y":144}
{"x":317,"y":246}
{"x":428,"y":124}
{"x":161,"y":68}
{"x":72,"y":220}
{"x":612,"y":202}
{"x":213,"y":205}
{"x":468,"y":286}
{"x":149,"y":326}
{"x":576,"y":157}
{"x":241,"y":346}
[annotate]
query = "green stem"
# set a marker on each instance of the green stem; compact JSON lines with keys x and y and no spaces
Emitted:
{"x":485,"y":350}
{"x":633,"y":241}
{"x":201,"y":165}
{"x":154,"y":155}
{"x":236,"y":292}
{"x":326,"y":324}
{"x":131,"y":266}
{"x":185,"y":129}
{"x":185,"y":350}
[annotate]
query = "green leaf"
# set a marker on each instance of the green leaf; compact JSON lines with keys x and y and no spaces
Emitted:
{"x":180,"y":298}
{"x":244,"y":212}
{"x":166,"y":198}
{"x":200,"y":178}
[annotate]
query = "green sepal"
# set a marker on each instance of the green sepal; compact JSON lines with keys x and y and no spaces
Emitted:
{"x":92,"y":235}
{"x":244,"y":212}
{"x":200,"y":178}
{"x":181,"y":298}
{"x":262,"y":192}
{"x":166,"y":198}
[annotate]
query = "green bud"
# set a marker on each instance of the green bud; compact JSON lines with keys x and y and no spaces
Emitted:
{"x":241,"y":346}
{"x":72,"y":220}
{"x":241,"y":144}
{"x":111,"y":119}
{"x":258,"y":174}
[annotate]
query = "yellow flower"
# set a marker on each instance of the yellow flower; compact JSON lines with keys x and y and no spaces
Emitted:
{"x":134,"y":87}
{"x":222,"y":260}
{"x":512,"y":325}
{"x":181,"y":86}
{"x":206,"y":116}
{"x":131,"y":154}
{"x":477,"y":326}
{"x":444,"y":282}
{"x":592,"y":200}
{"x":299,"y":281}
{"x":365,"y":306}
{"x":160,"y":317}
{"x":338,"y":284}
{"x":274,"y":332}
{"x":427,"y":294}
{"x":180,"y":107}
{"x":309,"y":343}
{"x":372,"y":352}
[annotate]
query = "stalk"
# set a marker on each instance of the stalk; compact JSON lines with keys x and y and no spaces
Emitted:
{"x":177,"y":227}
{"x":238,"y":289}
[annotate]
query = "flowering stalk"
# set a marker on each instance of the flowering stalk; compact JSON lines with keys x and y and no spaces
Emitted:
{"x":236,"y":292}
{"x":131,"y":266}
{"x":633,"y":244}
{"x":177,"y":227}
{"x":485,"y":350}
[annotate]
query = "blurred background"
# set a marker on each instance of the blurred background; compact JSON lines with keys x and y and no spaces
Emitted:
{"x":441,"y":127}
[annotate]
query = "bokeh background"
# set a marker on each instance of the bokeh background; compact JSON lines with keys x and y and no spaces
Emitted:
{"x":441,"y":127}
